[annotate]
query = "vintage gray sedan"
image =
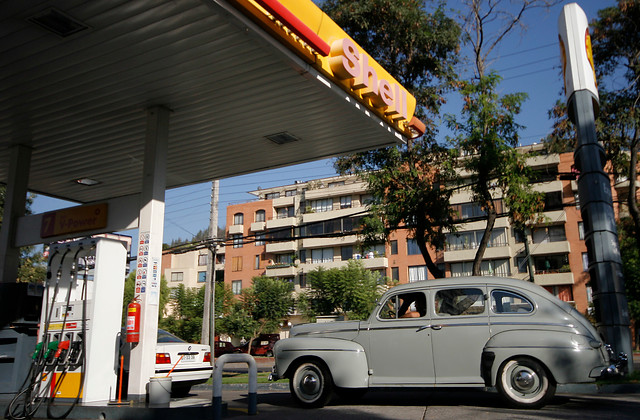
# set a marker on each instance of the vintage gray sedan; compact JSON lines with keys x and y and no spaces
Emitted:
{"x":455,"y":332}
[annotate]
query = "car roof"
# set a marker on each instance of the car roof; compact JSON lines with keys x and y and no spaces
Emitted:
{"x":469,"y":281}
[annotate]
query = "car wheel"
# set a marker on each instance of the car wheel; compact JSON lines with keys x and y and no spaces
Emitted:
{"x":180,"y":390}
{"x":311,"y":385}
{"x":350,"y":394}
{"x":525,"y":383}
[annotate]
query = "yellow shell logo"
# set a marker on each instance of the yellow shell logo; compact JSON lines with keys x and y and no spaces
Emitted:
{"x":587,"y":43}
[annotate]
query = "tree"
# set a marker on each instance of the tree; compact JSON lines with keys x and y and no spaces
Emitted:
{"x":486,"y":150}
{"x":630,"y":255}
{"x":130,"y":293}
{"x":261,"y":308}
{"x":349,"y":291}
{"x":488,"y":22}
{"x":418,"y":49}
{"x":186,"y":308}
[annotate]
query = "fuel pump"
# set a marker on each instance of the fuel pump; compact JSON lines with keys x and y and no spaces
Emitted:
{"x":78,"y":339}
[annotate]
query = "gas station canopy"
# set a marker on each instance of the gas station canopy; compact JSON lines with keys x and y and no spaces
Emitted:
{"x":247,"y":89}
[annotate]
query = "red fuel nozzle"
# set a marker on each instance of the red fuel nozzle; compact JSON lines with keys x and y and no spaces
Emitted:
{"x":63,"y":345}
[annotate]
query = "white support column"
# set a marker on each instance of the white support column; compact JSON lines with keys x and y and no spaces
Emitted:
{"x":150,"y":229}
{"x":14,"y":207}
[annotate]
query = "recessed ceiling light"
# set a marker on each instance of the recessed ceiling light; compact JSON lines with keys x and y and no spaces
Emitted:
{"x":87,"y":181}
{"x":57,"y":22}
{"x":282,"y":138}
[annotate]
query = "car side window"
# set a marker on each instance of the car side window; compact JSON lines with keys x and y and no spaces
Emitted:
{"x":468,"y":301}
{"x":404,"y":305}
{"x":506,"y":302}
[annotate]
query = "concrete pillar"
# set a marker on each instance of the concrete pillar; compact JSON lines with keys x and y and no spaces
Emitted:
{"x":150,"y":229}
{"x":14,"y":207}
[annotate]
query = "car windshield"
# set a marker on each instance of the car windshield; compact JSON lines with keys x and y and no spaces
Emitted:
{"x":167,"y":337}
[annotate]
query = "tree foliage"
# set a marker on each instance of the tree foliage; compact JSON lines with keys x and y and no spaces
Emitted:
{"x":260,"y":308}
{"x":486,"y":144}
{"x":185,"y":315}
{"x":350,"y":291}
{"x":630,"y":255}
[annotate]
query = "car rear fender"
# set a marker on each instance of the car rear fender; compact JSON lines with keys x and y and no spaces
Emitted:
{"x":569,"y":358}
{"x":346,"y":360}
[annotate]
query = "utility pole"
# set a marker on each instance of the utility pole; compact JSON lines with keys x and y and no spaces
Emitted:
{"x":594,"y":187}
{"x":208,"y":315}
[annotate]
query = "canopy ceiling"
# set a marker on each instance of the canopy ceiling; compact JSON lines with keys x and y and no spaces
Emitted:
{"x":80,"y":101}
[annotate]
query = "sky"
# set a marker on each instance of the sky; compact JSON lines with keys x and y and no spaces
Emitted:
{"x":528,"y":62}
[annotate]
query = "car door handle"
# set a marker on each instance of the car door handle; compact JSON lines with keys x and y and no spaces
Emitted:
{"x":433,"y":327}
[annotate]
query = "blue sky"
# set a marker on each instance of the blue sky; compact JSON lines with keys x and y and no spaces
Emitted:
{"x":528,"y":62}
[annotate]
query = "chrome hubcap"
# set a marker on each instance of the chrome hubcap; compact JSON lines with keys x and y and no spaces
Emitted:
{"x":524,"y":380}
{"x":309,"y":384}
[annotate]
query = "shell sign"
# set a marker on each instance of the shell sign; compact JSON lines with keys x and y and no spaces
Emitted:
{"x":305,"y":29}
{"x":575,"y":52}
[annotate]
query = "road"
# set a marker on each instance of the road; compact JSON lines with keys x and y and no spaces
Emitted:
{"x":429,"y":404}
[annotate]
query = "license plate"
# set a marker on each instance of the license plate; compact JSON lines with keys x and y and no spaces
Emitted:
{"x":188,"y":357}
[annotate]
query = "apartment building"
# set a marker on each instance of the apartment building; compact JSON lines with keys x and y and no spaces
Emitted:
{"x":190,"y":268}
{"x":294,"y":229}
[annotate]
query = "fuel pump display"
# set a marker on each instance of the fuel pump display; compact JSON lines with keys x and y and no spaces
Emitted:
{"x":78,"y":339}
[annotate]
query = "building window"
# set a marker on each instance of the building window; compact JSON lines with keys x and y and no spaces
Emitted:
{"x":394,"y":247}
{"x":395,"y":273}
{"x":346,"y":252}
{"x":581,"y":230}
{"x":320,"y":206}
{"x":177,"y":276}
{"x":290,"y":193}
{"x":238,"y":219}
{"x":284,"y":212}
{"x":471,"y":239}
{"x":522,"y":264}
{"x":585,"y":261}
{"x":474,"y":210}
{"x":549,"y":234}
{"x":284,"y":259}
{"x":236,"y":264}
{"x":259,"y":239}
{"x":236,"y":287}
{"x":488,"y":268}
{"x":412,"y":247}
{"x":519,"y":235}
{"x":303,"y":280}
{"x":237,"y":240}
{"x":257,"y":262}
{"x":553,"y":201}
{"x":203,"y":259}
{"x":576,"y":198}
{"x":550,"y":264}
{"x":345,"y":202}
{"x":374,"y":251}
{"x":321,"y":255}
{"x":272,"y":196}
{"x":202,"y":276}
{"x":259,"y":216}
{"x":417,"y":273}
{"x":336,"y":184}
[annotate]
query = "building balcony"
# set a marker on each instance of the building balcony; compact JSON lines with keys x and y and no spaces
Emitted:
{"x":281,"y":270}
{"x":324,"y":215}
{"x":553,"y":278}
{"x":491,"y":253}
{"x":546,"y":248}
{"x":550,"y":186}
{"x":236,"y":229}
{"x":281,"y":247}
{"x":284,"y":222}
{"x":369,"y":263}
{"x":337,"y":191}
{"x":283,"y":201}
{"x":258,"y":226}
{"x":543,"y":161}
{"x":326,"y":242}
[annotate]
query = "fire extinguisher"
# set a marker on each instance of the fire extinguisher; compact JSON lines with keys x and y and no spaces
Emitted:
{"x":133,"y":322}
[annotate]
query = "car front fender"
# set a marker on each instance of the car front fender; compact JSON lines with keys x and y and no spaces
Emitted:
{"x":346,"y":360}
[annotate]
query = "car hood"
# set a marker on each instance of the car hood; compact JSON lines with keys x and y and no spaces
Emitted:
{"x":347,"y":330}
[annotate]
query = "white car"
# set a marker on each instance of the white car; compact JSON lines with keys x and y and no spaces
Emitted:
{"x":189,"y":364}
